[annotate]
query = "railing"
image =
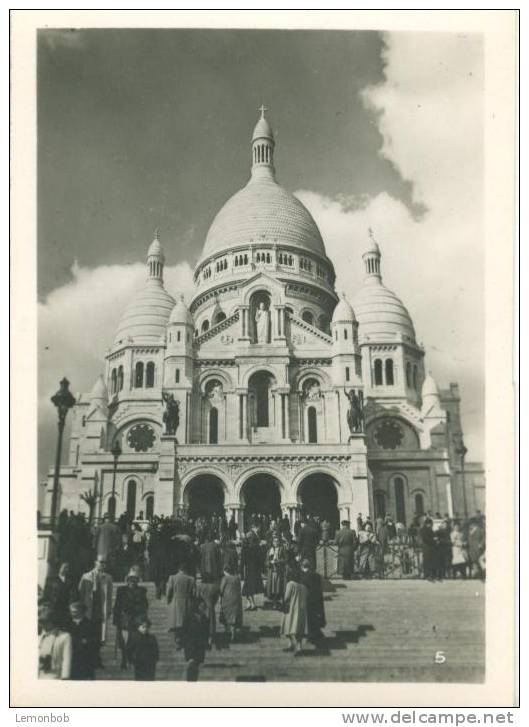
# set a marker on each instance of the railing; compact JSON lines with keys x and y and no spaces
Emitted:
{"x":401,"y":560}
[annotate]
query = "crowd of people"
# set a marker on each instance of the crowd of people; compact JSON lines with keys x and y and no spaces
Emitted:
{"x":204,"y":563}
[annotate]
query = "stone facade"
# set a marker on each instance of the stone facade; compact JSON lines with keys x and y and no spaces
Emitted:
{"x":264,"y":365}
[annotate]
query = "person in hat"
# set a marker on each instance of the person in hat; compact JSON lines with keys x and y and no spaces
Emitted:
{"x":347,"y":543}
{"x":84,"y":643}
{"x":95,"y":592}
{"x":180,"y":592}
{"x":313,"y":582}
{"x":130,"y":605}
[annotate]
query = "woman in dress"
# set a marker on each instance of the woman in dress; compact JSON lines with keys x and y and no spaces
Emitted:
{"x":294,"y":624}
{"x":459,"y":552}
{"x":251,"y":570}
{"x":367,"y":548}
{"x":275,"y":572}
{"x":231,"y":602}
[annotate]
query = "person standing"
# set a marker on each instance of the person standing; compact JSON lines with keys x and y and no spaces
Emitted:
{"x":231,"y":602}
{"x":95,"y":592}
{"x":107,"y":542}
{"x":55,"y":647}
{"x":130,"y":605}
{"x":429,"y":565}
{"x":308,"y":541}
{"x":347,"y":542}
{"x":313,"y":582}
{"x":144,"y":652}
{"x":195,"y":638}
{"x":367,"y":547}
{"x":180,"y":593}
{"x":209,"y":591}
{"x":59,"y":593}
{"x":275,"y":572}
{"x":251,"y":569}
{"x":476,"y":548}
{"x":459,"y":552}
{"x":210,"y":559}
{"x":84,"y":644}
{"x":294,"y":623}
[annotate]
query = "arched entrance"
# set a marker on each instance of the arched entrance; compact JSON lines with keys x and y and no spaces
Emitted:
{"x":204,"y":496}
{"x":260,"y":399}
{"x":318,"y":495}
{"x":261,"y":495}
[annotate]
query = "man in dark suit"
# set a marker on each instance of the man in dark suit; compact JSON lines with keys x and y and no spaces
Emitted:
{"x":309,"y":538}
{"x":85,"y":643}
{"x":59,"y":593}
{"x":210,"y":560}
{"x":130,"y":606}
{"x":347,"y":542}
{"x":313,"y":582}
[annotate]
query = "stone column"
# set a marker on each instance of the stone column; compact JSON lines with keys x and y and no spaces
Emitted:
{"x":244,"y":322}
{"x":286,"y":399}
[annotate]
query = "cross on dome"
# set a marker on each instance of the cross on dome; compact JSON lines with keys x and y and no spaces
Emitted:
{"x":262,"y":109}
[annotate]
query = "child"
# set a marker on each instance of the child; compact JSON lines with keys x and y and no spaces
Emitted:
{"x":195,"y":638}
{"x":144,"y":652}
{"x":231,"y":602}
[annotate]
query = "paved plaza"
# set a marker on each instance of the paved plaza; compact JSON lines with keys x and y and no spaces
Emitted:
{"x":400,"y":631}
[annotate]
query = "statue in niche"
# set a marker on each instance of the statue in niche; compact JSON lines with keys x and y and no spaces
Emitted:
{"x":262,"y":323}
{"x":355,"y":413}
{"x":171,"y":415}
{"x":311,"y":390}
{"x":214,"y":390}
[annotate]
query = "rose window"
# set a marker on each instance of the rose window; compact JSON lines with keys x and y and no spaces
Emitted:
{"x":141,"y":437}
{"x":389,"y":435}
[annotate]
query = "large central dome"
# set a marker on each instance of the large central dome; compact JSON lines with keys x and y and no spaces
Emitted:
{"x":263,"y":212}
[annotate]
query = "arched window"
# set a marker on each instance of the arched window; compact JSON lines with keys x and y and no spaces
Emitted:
{"x":149,"y":507}
{"x":308,"y":317}
{"x":213,"y":425}
{"x":312,"y":424}
{"x":345,"y":335}
{"x":323,"y":323}
{"x":378,"y":372}
{"x":149,"y":375}
{"x":220,"y":317}
{"x":389,"y":372}
{"x":380,"y":504}
{"x":131,"y":498}
{"x":415,"y":379}
{"x":205,"y":326}
{"x":113,"y":382}
{"x":177,"y":376}
{"x":408,"y":375}
{"x":268,"y":257}
{"x":419,"y":504}
{"x":400,"y":501}
{"x":120,"y":378}
{"x":138,"y":376}
{"x":112,"y":507}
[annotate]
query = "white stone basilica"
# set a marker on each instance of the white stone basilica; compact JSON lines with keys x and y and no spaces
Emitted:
{"x":262,"y":364}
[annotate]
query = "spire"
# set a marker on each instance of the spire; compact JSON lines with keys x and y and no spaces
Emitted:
{"x":371,"y":258}
{"x":156,"y":259}
{"x":263,"y":147}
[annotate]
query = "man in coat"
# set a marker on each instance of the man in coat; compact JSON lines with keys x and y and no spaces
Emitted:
{"x":313,"y":582}
{"x":347,"y":542}
{"x":59,"y":593}
{"x":309,"y":538}
{"x":180,"y":593}
{"x":84,"y":643}
{"x":382,"y":535}
{"x":429,"y":550}
{"x":95,"y":592}
{"x":130,"y":606}
{"x":210,"y":560}
{"x":476,"y":548}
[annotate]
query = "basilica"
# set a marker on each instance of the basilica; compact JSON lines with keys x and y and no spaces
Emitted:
{"x":266,"y":392}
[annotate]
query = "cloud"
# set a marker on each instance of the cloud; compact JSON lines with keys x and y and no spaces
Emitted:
{"x":429,"y":112}
{"x":77,"y":323}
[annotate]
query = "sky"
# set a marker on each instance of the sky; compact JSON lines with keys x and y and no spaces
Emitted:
{"x":139,"y":129}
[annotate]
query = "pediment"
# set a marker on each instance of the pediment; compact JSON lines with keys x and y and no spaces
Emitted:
{"x":303,"y":335}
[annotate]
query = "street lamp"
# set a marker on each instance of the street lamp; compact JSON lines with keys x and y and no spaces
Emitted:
{"x":63,"y":400}
{"x":462,"y":451}
{"x":116,"y":453}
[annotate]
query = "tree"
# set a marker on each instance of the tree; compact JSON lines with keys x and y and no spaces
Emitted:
{"x":91,"y":499}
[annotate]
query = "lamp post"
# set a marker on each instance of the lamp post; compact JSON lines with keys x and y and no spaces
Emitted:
{"x":116,"y":453}
{"x":63,"y":400}
{"x":462,"y":451}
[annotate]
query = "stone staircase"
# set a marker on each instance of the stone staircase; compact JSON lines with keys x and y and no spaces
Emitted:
{"x":377,"y":631}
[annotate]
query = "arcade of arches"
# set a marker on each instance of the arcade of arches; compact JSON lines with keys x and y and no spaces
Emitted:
{"x":261,"y":494}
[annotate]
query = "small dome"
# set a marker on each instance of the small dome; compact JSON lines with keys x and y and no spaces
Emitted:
{"x":181,"y":314}
{"x":380,"y":313}
{"x":155,"y":248}
{"x":262,"y":129}
{"x":429,"y":387}
{"x":145,"y":319}
{"x":371,"y":247}
{"x":99,"y":391}
{"x":343,"y":313}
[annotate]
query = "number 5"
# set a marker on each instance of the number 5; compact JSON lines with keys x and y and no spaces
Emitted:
{"x":440,"y":657}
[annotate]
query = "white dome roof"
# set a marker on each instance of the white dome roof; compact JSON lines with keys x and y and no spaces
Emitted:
{"x":380,"y":313}
{"x":99,"y":390}
{"x":155,"y":248}
{"x":263,"y":212}
{"x":180,"y":313}
{"x":146,"y":317}
{"x":262,"y":130}
{"x":343,"y":312}
{"x":429,"y":387}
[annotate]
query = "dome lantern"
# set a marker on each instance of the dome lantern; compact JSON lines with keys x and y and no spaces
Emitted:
{"x":263,"y":147}
{"x":371,"y":258}
{"x":156,"y":258}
